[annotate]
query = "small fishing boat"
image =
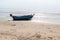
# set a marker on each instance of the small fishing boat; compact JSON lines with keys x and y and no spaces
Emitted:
{"x":23,"y":17}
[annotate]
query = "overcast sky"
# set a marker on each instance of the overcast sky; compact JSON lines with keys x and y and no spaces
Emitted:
{"x":30,"y":4}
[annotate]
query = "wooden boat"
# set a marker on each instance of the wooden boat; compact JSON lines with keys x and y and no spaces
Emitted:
{"x":24,"y":17}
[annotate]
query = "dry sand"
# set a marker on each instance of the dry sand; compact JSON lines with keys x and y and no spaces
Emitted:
{"x":26,"y":30}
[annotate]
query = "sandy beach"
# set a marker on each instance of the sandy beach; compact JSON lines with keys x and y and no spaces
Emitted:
{"x":26,"y":30}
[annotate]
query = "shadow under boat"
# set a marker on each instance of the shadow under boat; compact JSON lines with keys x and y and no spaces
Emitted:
{"x":23,"y":17}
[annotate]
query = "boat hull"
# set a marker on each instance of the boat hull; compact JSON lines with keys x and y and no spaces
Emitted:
{"x":26,"y":17}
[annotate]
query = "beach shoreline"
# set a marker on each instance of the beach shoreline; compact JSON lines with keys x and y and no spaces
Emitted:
{"x":27,"y":30}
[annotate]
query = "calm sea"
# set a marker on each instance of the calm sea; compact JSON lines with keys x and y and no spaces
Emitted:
{"x":46,"y":17}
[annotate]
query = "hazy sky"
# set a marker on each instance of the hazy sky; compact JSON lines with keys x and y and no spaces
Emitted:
{"x":30,"y":4}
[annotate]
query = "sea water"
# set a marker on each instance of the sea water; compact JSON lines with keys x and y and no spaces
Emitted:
{"x":46,"y":17}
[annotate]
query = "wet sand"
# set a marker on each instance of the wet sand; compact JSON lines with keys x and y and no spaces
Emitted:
{"x":26,"y":30}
